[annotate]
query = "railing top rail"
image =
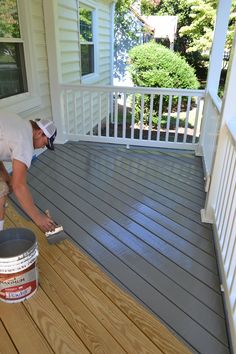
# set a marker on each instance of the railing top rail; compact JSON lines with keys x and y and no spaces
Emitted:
{"x":128,"y":89}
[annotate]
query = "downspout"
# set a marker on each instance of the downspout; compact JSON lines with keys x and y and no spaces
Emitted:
{"x":112,"y":16}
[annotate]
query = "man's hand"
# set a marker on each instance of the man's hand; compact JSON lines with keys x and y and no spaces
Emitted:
{"x":45,"y":223}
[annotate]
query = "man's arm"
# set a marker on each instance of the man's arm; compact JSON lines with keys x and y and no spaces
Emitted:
{"x":22,"y":193}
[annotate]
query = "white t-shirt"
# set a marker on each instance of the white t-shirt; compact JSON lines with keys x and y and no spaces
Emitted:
{"x":16,"y":138}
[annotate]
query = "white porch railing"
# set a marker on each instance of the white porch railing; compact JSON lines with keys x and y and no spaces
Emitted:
{"x":133,"y":115}
{"x":225,"y":222}
{"x":220,"y":208}
{"x":209,"y":134}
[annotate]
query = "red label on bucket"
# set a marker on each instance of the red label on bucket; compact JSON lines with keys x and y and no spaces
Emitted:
{"x":18,"y":292}
{"x":18,"y":285}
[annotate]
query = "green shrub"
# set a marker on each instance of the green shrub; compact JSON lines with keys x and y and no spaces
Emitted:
{"x":152,"y":65}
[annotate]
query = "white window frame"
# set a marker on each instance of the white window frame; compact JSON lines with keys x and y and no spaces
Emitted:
{"x":29,"y":100}
{"x":91,"y":6}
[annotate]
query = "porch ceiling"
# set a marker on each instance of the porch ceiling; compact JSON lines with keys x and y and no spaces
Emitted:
{"x":137,"y":214}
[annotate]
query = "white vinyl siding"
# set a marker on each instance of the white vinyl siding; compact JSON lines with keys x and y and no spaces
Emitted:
{"x":69,"y":51}
{"x":41,"y":64}
{"x":104,"y":40}
{"x":69,"y":41}
{"x":37,"y":101}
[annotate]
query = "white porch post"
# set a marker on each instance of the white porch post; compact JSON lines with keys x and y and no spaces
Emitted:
{"x":112,"y":16}
{"x":215,"y":63}
{"x":228,"y":114}
{"x":51,"y":29}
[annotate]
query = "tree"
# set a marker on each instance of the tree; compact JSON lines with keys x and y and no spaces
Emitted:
{"x":9,"y":24}
{"x":200,"y":30}
{"x":153,"y":65}
{"x":196,"y":19}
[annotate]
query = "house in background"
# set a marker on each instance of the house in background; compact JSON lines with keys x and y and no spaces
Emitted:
{"x":123,"y":42}
{"x":45,"y":75}
{"x":164,"y":27}
{"x":142,"y":29}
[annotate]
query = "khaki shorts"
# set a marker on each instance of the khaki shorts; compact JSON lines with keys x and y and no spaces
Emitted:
{"x":4,"y":190}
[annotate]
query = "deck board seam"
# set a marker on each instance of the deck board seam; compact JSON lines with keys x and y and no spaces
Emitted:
{"x":9,"y":335}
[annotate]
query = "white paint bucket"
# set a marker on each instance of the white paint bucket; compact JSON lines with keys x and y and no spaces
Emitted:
{"x":18,"y":265}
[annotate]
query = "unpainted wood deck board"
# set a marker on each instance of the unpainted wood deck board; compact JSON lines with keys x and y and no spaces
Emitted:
{"x":85,"y":324}
{"x":74,"y":291}
{"x":22,"y":329}
{"x":6,"y":344}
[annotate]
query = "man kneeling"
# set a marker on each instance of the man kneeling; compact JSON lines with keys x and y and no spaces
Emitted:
{"x":18,"y":139}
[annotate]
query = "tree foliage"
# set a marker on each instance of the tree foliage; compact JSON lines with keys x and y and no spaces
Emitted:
{"x":86,"y":33}
{"x":122,"y":18}
{"x":196,"y":20}
{"x":153,"y":65}
{"x":9,"y":25}
{"x":201,"y":28}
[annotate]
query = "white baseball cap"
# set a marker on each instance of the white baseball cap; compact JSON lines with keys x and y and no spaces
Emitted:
{"x":49,"y":129}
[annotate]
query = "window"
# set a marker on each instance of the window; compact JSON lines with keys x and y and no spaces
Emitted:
{"x":12,"y":62}
{"x":86,"y":40}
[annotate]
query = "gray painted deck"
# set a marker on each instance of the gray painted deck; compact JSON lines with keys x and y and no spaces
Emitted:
{"x":137,"y":214}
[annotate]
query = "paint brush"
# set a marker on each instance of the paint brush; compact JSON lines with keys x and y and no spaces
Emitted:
{"x":57,"y":234}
